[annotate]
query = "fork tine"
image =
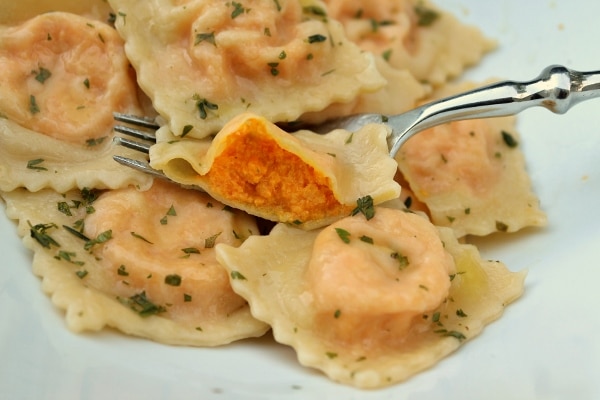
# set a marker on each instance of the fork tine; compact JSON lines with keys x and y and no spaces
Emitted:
{"x":132,"y":144}
{"x":145,"y":122}
{"x":136,"y":133}
{"x":140,"y":166}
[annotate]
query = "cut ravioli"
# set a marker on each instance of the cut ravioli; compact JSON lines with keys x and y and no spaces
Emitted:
{"x":472,"y":176}
{"x":216,"y":59}
{"x":63,"y":77}
{"x":412,"y":34}
{"x":305,"y":179}
{"x":144,"y":263}
{"x":370,"y":303}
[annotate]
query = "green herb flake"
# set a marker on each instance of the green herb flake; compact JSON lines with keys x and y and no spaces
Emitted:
{"x":122,"y":271}
{"x":35,"y":164}
{"x":425,"y":16}
{"x":402,"y":260}
{"x":331,"y":355}
{"x":68,"y":256}
{"x":64,"y":208}
{"x":33,"y":106}
{"x":42,"y":75}
{"x":365,"y":206}
{"x":186,"y":129}
{"x":461,"y":313}
{"x":343,"y":234}
{"x":238,"y":9}
{"x":204,"y":106}
{"x":210,"y":241}
{"x":366,"y":239}
{"x":100,"y":239}
{"x":76,"y":233}
{"x":142,"y":305}
{"x":81,"y":273}
{"x":86,"y":83}
{"x":318,"y":38}
{"x":509,"y":140}
{"x":337,"y":313}
{"x":138,"y":236}
{"x":315,"y":11}
{"x":387,"y":54}
{"x":205,"y":37}
{"x":172,"y":212}
{"x":173,"y":280}
{"x":39,"y":233}
{"x":501,"y":226}
{"x":95,"y":141}
{"x":237,"y":275}
{"x":190,"y":250}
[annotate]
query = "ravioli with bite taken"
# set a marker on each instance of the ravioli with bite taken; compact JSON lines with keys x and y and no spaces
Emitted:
{"x":305,"y":179}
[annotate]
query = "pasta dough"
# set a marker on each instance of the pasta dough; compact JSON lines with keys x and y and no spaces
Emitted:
{"x":218,"y":59}
{"x":472,"y":176}
{"x":370,"y":303}
{"x":116,"y":278}
{"x":63,"y":77}
{"x":305,"y":179}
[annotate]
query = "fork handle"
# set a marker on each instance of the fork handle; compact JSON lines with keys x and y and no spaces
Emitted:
{"x":557,"y":88}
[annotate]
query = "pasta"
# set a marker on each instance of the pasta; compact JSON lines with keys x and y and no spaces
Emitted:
{"x":63,"y":77}
{"x":298,"y":60}
{"x":287,"y":228}
{"x":367,"y":302}
{"x":106,"y":285}
{"x":308,"y":180}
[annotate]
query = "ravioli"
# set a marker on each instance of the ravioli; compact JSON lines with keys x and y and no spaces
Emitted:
{"x":370,"y":303}
{"x":63,"y":77}
{"x":472,"y":176}
{"x":217,"y":59}
{"x":413,"y":35}
{"x":305,"y":179}
{"x":142,"y":262}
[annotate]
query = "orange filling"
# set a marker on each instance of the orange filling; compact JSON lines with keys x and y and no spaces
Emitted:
{"x":254,"y":170}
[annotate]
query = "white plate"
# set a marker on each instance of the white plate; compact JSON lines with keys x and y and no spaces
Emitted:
{"x":546,"y":346}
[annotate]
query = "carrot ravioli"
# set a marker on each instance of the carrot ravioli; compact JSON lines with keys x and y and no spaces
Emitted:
{"x":278,"y":59}
{"x":63,"y":76}
{"x":305,"y":179}
{"x":152,"y":275}
{"x":370,"y":302}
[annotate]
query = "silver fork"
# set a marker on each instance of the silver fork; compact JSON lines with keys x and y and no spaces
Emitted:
{"x":557,"y":88}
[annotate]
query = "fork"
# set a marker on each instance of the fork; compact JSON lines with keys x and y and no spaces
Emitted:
{"x":557,"y":88}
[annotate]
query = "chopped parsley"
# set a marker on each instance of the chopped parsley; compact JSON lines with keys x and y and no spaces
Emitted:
{"x":190,"y":250}
{"x":237,"y":275}
{"x":68,"y":256}
{"x":95,"y":141}
{"x":138,"y":236}
{"x":205,"y":37}
{"x":365,"y":206}
{"x":33,"y":106}
{"x":509,"y":140}
{"x":39,"y":233}
{"x":501,"y":226}
{"x":122,"y":271}
{"x":35,"y":164}
{"x":238,"y":9}
{"x":144,"y":307}
{"x":425,"y":16}
{"x":76,"y":233}
{"x":173,"y":280}
{"x":103,"y":237}
{"x":318,"y":38}
{"x":186,"y":129}
{"x":81,"y":273}
{"x":210,"y":241}
{"x":204,"y":106}
{"x":366,"y":239}
{"x":42,"y":75}
{"x":86,"y":83}
{"x":402,"y":260}
{"x":343,"y":234}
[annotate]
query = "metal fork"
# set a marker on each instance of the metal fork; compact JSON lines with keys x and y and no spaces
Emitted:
{"x":557,"y":88}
